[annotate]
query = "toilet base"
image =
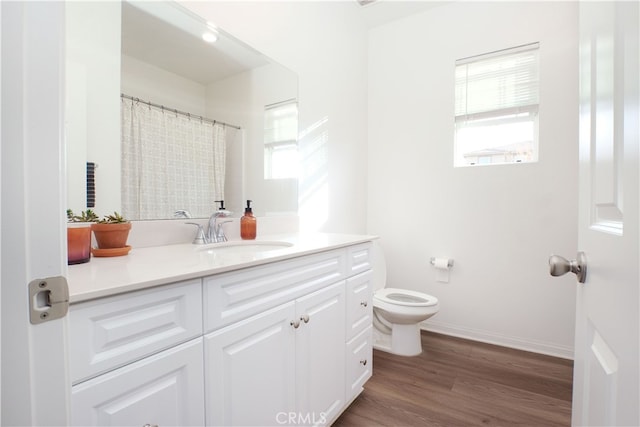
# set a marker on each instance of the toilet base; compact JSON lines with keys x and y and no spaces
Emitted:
{"x":404,"y":340}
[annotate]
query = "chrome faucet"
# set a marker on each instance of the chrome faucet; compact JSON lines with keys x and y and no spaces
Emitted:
{"x":215,"y":234}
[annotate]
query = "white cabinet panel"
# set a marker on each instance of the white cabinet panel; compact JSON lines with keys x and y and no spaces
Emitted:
{"x":287,"y":343}
{"x":250,"y":370}
{"x":359,"y":258}
{"x":110,"y":332}
{"x":166,"y":389}
{"x":264,"y":371}
{"x":359,"y":362}
{"x":238,"y":295}
{"x":359,"y":303}
{"x":320,"y":365}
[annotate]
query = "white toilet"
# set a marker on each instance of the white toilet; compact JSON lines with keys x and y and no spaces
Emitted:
{"x":397,"y":313}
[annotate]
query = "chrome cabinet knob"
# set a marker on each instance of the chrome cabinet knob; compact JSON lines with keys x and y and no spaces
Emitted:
{"x":305,"y":318}
{"x":295,"y":324}
{"x":364,"y":303}
{"x":363,"y":362}
{"x":559,"y":266}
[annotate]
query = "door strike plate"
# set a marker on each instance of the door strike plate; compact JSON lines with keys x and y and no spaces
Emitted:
{"x":48,"y":299}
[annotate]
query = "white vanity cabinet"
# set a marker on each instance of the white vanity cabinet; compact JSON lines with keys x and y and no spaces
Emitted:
{"x":285,"y":364}
{"x":137,"y":358}
{"x":359,"y":338}
{"x":165,"y":389}
{"x":280,"y":343}
{"x":359,"y":343}
{"x":250,"y":369}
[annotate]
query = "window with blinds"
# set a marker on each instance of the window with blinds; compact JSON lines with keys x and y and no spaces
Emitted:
{"x":281,"y":140}
{"x":496,"y":107}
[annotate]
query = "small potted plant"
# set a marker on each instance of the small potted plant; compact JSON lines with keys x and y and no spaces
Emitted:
{"x":79,"y":236}
{"x":112,"y":232}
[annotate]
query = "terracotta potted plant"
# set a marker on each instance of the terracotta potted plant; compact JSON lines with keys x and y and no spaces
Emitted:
{"x":111,"y":233}
{"x":79,"y":236}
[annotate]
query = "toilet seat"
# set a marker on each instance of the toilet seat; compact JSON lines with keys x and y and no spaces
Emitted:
{"x":405,"y":297}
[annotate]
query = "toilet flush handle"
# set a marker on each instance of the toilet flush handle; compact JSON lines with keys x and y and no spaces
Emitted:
{"x":559,"y":266}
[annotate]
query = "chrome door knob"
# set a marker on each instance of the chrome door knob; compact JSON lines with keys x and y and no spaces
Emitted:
{"x":559,"y":266}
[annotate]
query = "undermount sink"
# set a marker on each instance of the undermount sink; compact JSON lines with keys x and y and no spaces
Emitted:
{"x":246,"y":246}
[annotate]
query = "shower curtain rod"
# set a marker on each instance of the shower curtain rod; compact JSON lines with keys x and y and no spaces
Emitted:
{"x":173,"y":110}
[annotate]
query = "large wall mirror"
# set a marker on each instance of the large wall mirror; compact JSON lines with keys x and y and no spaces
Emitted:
{"x":150,"y":103}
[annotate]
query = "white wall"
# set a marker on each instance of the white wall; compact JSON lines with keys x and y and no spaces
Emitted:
{"x":499,"y":223}
{"x":150,"y":83}
{"x":240,"y":100}
{"x":325,"y":44}
{"x":93,"y":110}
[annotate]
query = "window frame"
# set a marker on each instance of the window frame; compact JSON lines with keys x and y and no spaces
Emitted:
{"x":517,"y":100}
{"x":273,"y":144}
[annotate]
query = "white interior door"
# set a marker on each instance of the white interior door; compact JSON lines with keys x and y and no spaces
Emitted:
{"x":607,"y":324}
{"x":35,"y":380}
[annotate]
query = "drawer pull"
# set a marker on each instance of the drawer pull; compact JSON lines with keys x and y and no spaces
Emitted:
{"x":364,"y":362}
{"x":364,"y":303}
{"x":150,"y":425}
{"x":305,"y":318}
{"x":295,"y":324}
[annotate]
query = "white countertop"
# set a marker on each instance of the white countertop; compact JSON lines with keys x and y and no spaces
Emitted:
{"x":152,"y":266}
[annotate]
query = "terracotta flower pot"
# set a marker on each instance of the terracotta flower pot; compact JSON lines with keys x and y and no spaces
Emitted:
{"x":109,"y":236}
{"x":78,"y":242}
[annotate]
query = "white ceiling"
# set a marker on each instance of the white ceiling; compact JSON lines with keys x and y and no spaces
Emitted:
{"x":381,"y":12}
{"x":166,"y":46}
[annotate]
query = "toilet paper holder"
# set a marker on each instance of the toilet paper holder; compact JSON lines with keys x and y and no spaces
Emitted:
{"x":432,"y":260}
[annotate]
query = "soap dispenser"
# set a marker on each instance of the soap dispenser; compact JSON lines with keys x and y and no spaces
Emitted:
{"x":248,"y":223}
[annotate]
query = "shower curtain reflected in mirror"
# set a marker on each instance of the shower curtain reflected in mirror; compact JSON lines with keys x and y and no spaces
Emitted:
{"x":170,"y":161}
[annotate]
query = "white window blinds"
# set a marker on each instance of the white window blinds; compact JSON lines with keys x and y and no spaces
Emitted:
{"x":281,"y":140}
{"x":496,"y":107}
{"x":281,"y":122}
{"x":505,"y":81}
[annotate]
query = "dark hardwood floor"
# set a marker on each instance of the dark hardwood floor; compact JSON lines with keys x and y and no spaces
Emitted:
{"x":457,"y":382}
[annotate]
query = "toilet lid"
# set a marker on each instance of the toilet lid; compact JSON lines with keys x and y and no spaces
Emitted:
{"x":405,"y":297}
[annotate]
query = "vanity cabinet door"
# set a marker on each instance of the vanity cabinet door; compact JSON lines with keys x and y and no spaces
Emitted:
{"x":320,"y":361}
{"x":250,"y":370}
{"x":165,"y":389}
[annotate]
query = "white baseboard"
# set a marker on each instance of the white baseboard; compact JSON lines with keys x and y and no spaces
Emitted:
{"x":563,"y":352}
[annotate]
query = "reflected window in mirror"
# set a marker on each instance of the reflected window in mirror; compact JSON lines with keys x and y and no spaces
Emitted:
{"x":281,"y":140}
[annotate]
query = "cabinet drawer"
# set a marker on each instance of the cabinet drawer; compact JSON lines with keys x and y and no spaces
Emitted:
{"x":237,"y":295}
{"x":359,"y":303}
{"x":110,"y":332}
{"x":359,"y":258}
{"x":359,"y":362}
{"x":165,"y":389}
